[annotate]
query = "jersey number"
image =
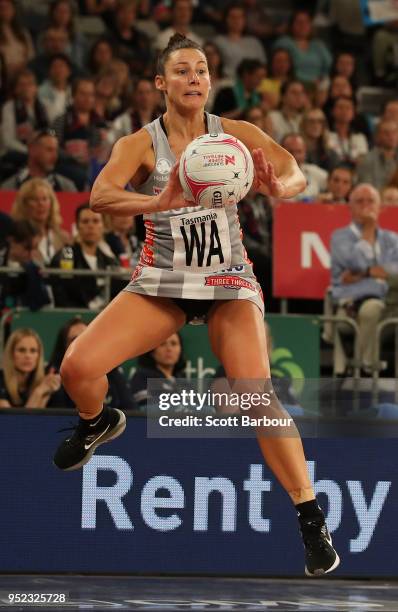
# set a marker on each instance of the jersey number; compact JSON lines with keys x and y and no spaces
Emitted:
{"x":195,"y":241}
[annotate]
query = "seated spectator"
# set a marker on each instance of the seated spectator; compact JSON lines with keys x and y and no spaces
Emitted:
{"x":18,"y":248}
{"x":349,"y":145}
{"x":118,"y":394}
{"x":62,"y":15}
{"x":344,"y":64}
{"x":81,"y":133}
{"x":311,"y":58}
{"x":234,"y":45}
{"x":101,"y":55}
{"x":340,"y":87}
{"x":103,"y":8}
{"x":37,"y":203}
{"x":287,"y":119}
{"x":55,"y":41}
{"x":390,"y":111}
{"x":166,"y":362}
{"x":55,"y":92}
{"x":339,"y":185}
{"x":122,"y":239}
{"x":362,"y":254}
{"x":314,"y":130}
{"x":233,"y":102}
{"x":378,"y":166}
{"x":107,"y":105}
{"x":216,"y":72}
{"x":181,"y":19}
{"x":389,"y":196}
{"x":42,"y":159}
{"x":258,"y":116}
{"x":130,"y":44}
{"x":124,"y":83}
{"x":23,"y":383}
{"x":23,"y":115}
{"x":144,"y":109}
{"x":315,"y":176}
{"x":280,"y":71}
{"x":86,"y":254}
{"x":16,"y":45}
{"x":384,"y":54}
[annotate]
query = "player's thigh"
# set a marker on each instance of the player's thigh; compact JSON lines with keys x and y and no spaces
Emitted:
{"x":238,"y":340}
{"x":130,"y":325}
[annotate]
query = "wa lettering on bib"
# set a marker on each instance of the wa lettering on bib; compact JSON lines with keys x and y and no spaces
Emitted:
{"x":201,"y":240}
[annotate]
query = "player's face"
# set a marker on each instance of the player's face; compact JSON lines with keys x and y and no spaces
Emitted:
{"x":186,"y":81}
{"x":26,"y":355}
{"x":168,"y":353}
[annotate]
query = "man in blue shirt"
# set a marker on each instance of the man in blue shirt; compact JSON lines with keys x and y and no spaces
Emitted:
{"x":362,"y":255}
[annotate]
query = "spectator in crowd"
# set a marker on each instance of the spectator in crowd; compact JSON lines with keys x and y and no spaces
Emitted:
{"x":311,"y":58}
{"x":61,"y":15}
{"x":18,"y":247}
{"x":107,"y":104}
{"x":378,"y":166}
{"x":118,"y":395}
{"x":21,"y":117}
{"x":37,"y":203}
{"x":100,"y":8}
{"x":314,"y":130}
{"x":144,"y":109}
{"x":16,"y":45}
{"x":80,"y":131}
{"x":390,"y":111}
{"x":258,"y":20}
{"x":181,"y":20}
{"x":234,"y":45}
{"x":55,"y":92}
{"x":362,"y":254}
{"x":131,"y":44}
{"x":340,"y":87}
{"x":85,"y":254}
{"x":287,"y":119}
{"x":101,"y":55}
{"x":216,"y":70}
{"x":23,"y":383}
{"x":349,"y":145}
{"x":350,"y":34}
{"x":124,"y":83}
{"x":166,"y":362}
{"x":339,"y":185}
{"x":42,"y":159}
{"x":384,"y":54}
{"x":55,"y":41}
{"x":280,"y":71}
{"x":389,"y":196}
{"x":233,"y":102}
{"x":259,"y":117}
{"x":316,"y":177}
{"x":344,"y":64}
{"x":122,"y":239}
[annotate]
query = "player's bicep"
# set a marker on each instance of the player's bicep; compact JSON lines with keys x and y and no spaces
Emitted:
{"x":125,"y":160}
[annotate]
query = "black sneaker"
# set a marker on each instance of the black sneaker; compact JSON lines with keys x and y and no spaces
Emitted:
{"x":320,"y":556}
{"x":77,"y":450}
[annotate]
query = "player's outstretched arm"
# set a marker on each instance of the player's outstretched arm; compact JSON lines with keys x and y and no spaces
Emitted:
{"x":277,"y":172}
{"x":132,"y":160}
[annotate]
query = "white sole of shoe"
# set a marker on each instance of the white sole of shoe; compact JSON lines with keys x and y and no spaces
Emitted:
{"x":115,"y":433}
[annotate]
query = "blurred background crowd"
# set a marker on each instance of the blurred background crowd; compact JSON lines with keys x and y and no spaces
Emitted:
{"x":75,"y":75}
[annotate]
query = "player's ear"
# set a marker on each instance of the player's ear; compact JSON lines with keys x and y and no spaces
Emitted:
{"x":160,"y":82}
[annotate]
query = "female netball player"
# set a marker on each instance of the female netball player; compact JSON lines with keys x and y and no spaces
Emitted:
{"x":175,"y":283}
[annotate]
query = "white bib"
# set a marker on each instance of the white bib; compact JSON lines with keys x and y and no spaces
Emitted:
{"x":201,"y":240}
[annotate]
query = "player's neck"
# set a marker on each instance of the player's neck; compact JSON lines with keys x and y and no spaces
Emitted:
{"x":187,"y":127}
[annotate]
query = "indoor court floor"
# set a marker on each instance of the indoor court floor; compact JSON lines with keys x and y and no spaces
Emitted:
{"x":201,"y":593}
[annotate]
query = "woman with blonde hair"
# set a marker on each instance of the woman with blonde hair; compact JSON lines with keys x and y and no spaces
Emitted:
{"x":314,"y":130}
{"x":23,"y":383}
{"x":36,"y":202}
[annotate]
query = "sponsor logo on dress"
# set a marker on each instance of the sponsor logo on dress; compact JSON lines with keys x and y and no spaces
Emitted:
{"x":229,"y":282}
{"x":163,"y":166}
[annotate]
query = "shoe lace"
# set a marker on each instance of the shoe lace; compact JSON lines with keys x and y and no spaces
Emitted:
{"x":78,"y":432}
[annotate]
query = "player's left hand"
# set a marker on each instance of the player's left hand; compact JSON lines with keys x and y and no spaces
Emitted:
{"x":264,"y":175}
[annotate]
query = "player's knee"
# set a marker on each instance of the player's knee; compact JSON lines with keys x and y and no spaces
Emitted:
{"x":75,"y":366}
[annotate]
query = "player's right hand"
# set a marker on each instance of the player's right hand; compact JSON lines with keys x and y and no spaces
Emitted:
{"x":172,"y":196}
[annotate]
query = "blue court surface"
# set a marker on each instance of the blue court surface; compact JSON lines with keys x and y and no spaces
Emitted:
{"x":204,"y":593}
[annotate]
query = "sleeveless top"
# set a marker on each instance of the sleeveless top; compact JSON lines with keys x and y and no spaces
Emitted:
{"x":192,"y":252}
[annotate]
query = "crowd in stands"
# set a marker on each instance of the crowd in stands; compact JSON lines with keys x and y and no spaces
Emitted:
{"x":76,"y":75}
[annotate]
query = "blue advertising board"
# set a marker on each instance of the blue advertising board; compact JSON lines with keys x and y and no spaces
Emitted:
{"x":187,"y":506}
